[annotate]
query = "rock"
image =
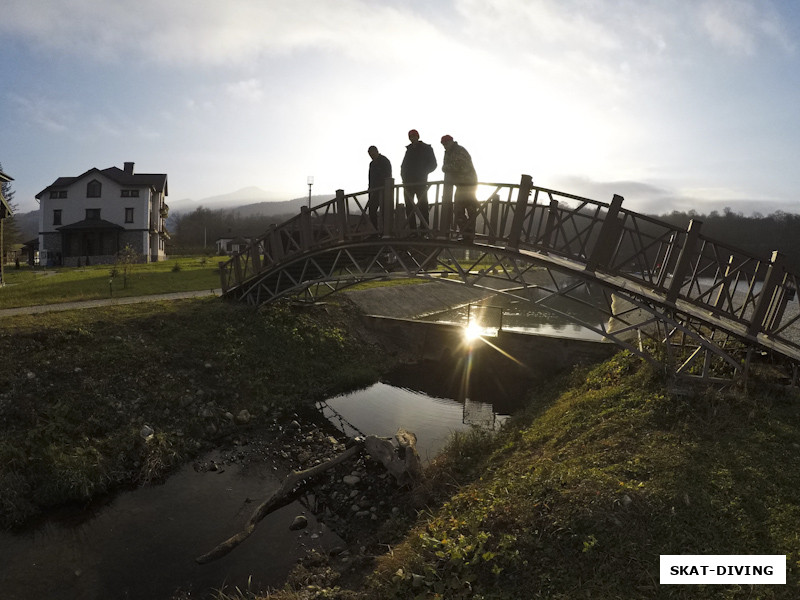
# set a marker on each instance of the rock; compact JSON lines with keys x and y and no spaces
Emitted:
{"x":300,"y":522}
{"x":146,"y":432}
{"x":243,"y":417}
{"x":351,"y":480}
{"x":294,"y":425}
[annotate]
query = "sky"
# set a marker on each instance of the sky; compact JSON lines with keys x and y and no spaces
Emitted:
{"x":678,"y":105}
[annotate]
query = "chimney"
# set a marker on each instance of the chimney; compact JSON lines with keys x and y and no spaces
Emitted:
{"x":128,"y":168}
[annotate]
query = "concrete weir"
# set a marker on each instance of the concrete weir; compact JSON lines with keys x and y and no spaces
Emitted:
{"x":443,"y":341}
{"x":393,"y":311}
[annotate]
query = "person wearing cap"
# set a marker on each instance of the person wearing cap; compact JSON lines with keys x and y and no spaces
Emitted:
{"x":459,"y":171}
{"x":418,"y":162}
{"x":380,"y":169}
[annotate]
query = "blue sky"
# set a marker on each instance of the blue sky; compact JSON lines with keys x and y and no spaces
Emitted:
{"x":686,"y":104}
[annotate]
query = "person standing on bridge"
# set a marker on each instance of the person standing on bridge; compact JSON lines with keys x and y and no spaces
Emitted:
{"x":418,"y":162}
{"x":459,"y":171}
{"x":380,"y":169}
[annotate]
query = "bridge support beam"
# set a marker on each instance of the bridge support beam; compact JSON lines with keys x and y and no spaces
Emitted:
{"x":520,"y":211}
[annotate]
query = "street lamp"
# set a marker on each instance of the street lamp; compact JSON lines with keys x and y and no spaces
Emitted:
{"x":310,"y":183}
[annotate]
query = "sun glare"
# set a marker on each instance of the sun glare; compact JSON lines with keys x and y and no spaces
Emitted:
{"x":472,"y":332}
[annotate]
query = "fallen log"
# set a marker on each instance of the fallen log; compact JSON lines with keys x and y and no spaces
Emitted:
{"x":290,"y":488}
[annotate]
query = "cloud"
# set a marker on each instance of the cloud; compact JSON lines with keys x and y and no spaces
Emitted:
{"x":740,"y":27}
{"x":209,"y":32}
{"x":49,"y":115}
{"x":249,"y":90}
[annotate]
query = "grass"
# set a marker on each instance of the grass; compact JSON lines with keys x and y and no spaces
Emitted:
{"x":81,"y":390}
{"x":29,"y":287}
{"x":580,"y":496}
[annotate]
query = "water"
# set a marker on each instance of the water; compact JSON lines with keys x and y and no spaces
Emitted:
{"x":433,"y":399}
{"x":142,"y":544}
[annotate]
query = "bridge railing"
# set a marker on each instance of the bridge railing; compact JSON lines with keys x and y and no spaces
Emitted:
{"x":684,"y":265}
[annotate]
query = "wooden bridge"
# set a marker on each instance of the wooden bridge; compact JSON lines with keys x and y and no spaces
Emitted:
{"x":693,"y":305}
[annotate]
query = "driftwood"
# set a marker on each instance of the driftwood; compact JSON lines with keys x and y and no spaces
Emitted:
{"x":402,"y":461}
{"x":289,"y":490}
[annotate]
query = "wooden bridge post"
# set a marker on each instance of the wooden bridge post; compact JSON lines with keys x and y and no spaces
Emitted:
{"x":341,"y":216}
{"x":772,"y":299}
{"x":446,"y":221}
{"x":520,"y":208}
{"x":723,"y":293}
{"x":684,"y":260}
{"x":255,"y":255}
{"x":275,"y":243}
{"x":608,"y":237}
{"x":494,"y":218}
{"x":223,"y":277}
{"x":237,"y":268}
{"x":306,"y":238}
{"x":550,"y":225}
{"x":388,"y":207}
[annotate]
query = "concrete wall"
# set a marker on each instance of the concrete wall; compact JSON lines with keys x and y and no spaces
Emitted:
{"x":440,"y":341}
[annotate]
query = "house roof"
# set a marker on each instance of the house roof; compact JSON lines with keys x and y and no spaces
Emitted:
{"x":156,"y":181}
{"x":90,"y":224}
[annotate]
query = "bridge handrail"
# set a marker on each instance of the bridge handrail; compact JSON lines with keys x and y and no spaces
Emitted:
{"x":680,"y":264}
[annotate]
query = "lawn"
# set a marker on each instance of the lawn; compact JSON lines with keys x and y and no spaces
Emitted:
{"x":32,"y":286}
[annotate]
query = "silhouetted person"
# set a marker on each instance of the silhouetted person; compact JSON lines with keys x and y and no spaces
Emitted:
{"x":458,"y":170}
{"x":380,"y":169}
{"x":418,"y":162}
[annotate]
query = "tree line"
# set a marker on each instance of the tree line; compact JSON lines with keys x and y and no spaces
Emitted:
{"x":757,"y":234}
{"x":196,"y":232}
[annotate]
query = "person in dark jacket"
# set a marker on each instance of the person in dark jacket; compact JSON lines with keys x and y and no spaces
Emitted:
{"x":459,"y":171}
{"x":418,"y":162}
{"x":380,"y":169}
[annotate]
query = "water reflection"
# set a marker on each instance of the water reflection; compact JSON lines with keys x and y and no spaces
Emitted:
{"x":433,"y":399}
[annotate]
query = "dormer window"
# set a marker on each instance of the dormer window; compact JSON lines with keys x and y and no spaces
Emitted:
{"x":93,"y":189}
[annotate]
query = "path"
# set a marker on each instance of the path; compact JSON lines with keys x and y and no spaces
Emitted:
{"x":42,"y":308}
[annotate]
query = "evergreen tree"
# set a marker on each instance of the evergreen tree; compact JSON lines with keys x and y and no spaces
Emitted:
{"x":11,"y":233}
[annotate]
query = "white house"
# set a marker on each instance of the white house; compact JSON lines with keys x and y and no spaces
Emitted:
{"x":97,"y":214}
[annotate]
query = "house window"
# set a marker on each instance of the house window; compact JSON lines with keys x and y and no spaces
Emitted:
{"x":57,"y":216}
{"x":129,"y":215}
{"x":130,"y":193}
{"x":58,"y":194}
{"x":93,"y":189}
{"x":92,"y":213}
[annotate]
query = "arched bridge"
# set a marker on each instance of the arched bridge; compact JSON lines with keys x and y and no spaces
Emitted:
{"x":675,"y":297}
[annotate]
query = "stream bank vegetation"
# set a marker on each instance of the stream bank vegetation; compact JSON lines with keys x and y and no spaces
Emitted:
{"x":91,"y":400}
{"x":580,"y":494}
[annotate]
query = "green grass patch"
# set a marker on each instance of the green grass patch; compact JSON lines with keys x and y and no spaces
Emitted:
{"x":30,"y":287}
{"x":580,"y":496}
{"x":93,"y":399}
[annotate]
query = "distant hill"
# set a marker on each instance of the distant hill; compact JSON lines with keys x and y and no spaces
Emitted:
{"x":249,"y":201}
{"x":28,"y":225}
